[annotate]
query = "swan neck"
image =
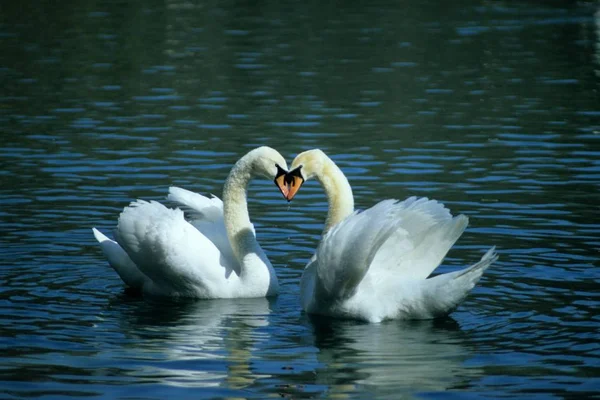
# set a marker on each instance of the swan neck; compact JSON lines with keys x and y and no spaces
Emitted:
{"x":235,"y":210}
{"x":338,"y":191}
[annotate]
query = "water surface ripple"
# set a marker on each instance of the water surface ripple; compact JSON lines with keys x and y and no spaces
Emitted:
{"x":490,"y":108}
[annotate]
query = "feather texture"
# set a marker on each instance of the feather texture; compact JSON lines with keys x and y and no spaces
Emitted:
{"x":206,"y":215}
{"x":375,"y":264}
{"x":214,"y":255}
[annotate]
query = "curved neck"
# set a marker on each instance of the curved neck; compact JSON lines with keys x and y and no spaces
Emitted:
{"x":240,"y":230}
{"x":338,"y":191}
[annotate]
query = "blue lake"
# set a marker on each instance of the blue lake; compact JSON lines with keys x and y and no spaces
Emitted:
{"x":489,"y":107}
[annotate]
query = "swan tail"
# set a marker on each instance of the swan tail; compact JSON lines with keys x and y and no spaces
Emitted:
{"x":443,"y":293}
{"x":474,"y":272}
{"x":120,"y":261}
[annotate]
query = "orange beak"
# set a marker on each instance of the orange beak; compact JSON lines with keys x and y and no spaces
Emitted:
{"x":288,"y":182}
{"x":293,"y":186}
{"x":281,"y":182}
{"x":283,"y":187}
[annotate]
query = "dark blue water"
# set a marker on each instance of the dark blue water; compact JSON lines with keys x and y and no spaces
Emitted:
{"x":491,"y":108}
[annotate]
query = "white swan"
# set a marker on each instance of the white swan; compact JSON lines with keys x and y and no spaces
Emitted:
{"x":374,"y":265}
{"x":215,"y":256}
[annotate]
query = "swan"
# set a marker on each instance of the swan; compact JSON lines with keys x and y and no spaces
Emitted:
{"x":216,"y":255}
{"x":375,"y":264}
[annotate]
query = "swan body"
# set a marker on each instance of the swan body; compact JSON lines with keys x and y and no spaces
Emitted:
{"x":375,"y":264}
{"x":215,"y":255}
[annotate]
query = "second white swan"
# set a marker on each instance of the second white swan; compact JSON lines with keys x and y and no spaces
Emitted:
{"x":215,"y":256}
{"x":375,"y":265}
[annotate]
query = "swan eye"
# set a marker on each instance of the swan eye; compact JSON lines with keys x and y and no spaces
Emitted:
{"x":280,"y":171}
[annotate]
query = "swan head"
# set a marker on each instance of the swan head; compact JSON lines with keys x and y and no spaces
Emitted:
{"x":267,"y":162}
{"x":305,"y":166}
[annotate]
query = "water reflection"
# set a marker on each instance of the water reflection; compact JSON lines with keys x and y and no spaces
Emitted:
{"x":395,"y":358}
{"x":186,"y":344}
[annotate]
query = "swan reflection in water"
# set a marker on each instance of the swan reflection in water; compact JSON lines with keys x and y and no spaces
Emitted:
{"x":208,"y":343}
{"x":220,"y":344}
{"x":398,"y":359}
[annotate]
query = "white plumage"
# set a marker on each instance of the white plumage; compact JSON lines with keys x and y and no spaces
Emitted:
{"x":215,"y":255}
{"x":375,"y":265}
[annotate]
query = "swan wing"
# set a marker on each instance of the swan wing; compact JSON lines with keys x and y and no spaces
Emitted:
{"x":413,"y":252}
{"x":195,"y":205}
{"x":206,"y":214}
{"x":346,"y":251}
{"x":176,"y":256}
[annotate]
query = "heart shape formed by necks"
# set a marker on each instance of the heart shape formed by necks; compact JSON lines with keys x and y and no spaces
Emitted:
{"x":288,"y":182}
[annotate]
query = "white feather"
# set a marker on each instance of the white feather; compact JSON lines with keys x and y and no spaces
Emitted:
{"x":207,"y":216}
{"x":346,"y":252}
{"x":375,"y":265}
{"x":120,"y":261}
{"x":160,"y":253}
{"x":172,"y":252}
{"x":198,"y":206}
